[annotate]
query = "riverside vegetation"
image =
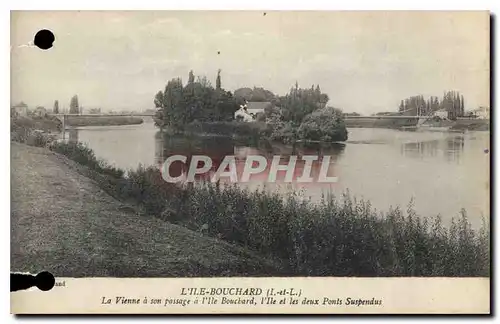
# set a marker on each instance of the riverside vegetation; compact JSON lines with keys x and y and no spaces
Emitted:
{"x":343,"y":237}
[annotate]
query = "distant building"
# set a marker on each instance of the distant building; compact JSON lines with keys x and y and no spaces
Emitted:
{"x":482,"y":113}
{"x":248,"y":111}
{"x":441,"y":113}
{"x":21,"y":109}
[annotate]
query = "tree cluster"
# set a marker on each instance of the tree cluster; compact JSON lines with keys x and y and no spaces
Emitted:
{"x":178,"y":104}
{"x":299,"y":103}
{"x":55,"y":110}
{"x":74,"y":108}
{"x":255,"y":94}
{"x":452,"y":102}
{"x":302,"y":114}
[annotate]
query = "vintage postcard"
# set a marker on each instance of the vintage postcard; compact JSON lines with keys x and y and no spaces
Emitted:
{"x":257,"y":162}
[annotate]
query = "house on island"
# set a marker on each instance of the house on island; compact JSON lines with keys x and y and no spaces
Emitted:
{"x":249,"y":110}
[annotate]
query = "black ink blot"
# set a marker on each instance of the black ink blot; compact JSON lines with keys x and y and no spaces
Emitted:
{"x":44,"y":39}
{"x":265,"y":14}
{"x":44,"y":281}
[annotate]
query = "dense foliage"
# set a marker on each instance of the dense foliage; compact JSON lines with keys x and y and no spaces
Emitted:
{"x":256,"y":94}
{"x":178,"y":105}
{"x":302,"y":115}
{"x":323,"y":125}
{"x":187,"y":107}
{"x":74,"y":108}
{"x":55,"y":110}
{"x":452,"y":102}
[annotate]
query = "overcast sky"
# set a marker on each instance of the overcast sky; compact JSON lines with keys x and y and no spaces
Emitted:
{"x":364,"y":61}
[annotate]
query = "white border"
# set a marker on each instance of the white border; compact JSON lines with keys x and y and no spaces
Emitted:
{"x":192,"y":5}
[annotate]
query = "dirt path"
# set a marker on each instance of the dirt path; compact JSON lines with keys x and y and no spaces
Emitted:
{"x":63,"y":223}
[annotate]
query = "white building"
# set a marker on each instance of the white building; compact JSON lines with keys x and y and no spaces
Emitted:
{"x":441,"y":113}
{"x":482,"y":113}
{"x":21,"y":109}
{"x":248,"y":111}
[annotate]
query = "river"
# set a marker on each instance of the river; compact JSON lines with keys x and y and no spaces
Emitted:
{"x":442,"y":172}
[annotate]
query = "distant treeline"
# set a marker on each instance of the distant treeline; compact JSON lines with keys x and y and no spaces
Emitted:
{"x":452,"y":102}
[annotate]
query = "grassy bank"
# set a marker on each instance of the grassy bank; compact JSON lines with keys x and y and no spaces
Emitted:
{"x":333,"y":238}
{"x":471,"y":124}
{"x":34,"y":131}
{"x":62,"y":222}
{"x":104,"y":121}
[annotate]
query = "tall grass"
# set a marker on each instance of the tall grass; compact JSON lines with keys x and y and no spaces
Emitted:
{"x":335,"y":237}
{"x":84,"y":155}
{"x":33,"y":131}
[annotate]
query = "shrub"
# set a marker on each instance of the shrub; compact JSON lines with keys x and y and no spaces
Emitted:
{"x":84,"y":155}
{"x":324,"y":125}
{"x":335,"y":238}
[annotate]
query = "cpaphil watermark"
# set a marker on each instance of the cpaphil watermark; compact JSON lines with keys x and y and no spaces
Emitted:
{"x":307,"y":168}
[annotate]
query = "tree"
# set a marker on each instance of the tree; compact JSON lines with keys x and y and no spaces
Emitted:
{"x":218,"y":82}
{"x":326,"y":124}
{"x":179,"y":105}
{"x":401,"y":107}
{"x":191,"y":77}
{"x":73,"y":105}
{"x":462,"y":106}
{"x":256,"y":94}
{"x":204,"y":82}
{"x":56,"y":107}
{"x":244,"y":93}
{"x":158,"y":117}
{"x":300,"y":102}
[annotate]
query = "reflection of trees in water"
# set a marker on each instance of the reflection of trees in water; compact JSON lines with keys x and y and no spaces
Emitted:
{"x":455,"y":147}
{"x":214,"y":147}
{"x":217,"y":148}
{"x":72,"y":135}
{"x":452,"y":148}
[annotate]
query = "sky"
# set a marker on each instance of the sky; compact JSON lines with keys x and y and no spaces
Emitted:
{"x":365,"y":61}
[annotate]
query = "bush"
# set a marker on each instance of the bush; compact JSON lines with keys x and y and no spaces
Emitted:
{"x":84,"y":155}
{"x":336,"y":238}
{"x":325,"y":125}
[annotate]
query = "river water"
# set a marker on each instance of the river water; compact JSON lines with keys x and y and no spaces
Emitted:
{"x":442,"y":172}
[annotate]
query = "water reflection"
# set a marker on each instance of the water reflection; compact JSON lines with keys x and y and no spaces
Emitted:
{"x":450,"y":148}
{"x":455,"y":148}
{"x":72,"y":135}
{"x":220,"y":148}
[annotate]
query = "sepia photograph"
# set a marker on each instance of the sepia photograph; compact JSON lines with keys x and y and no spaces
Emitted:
{"x":282,"y":146}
